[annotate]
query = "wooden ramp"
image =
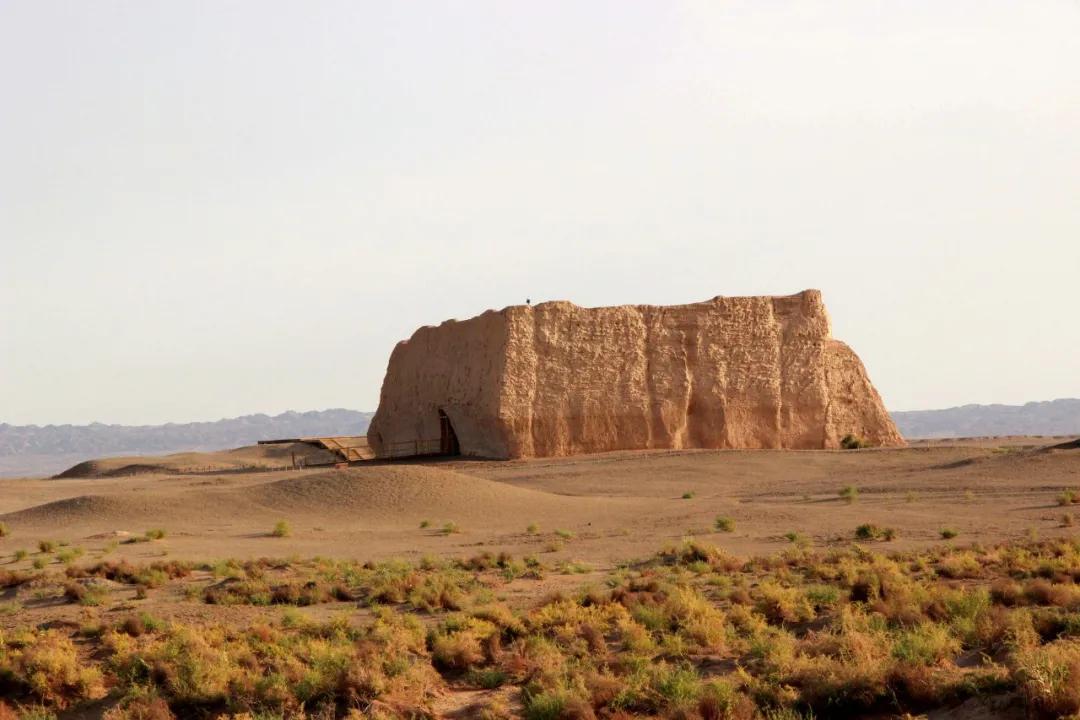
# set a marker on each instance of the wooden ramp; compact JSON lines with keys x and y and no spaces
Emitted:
{"x":350,"y":448}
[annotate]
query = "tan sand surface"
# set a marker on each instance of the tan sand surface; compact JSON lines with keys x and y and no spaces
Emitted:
{"x":617,"y":505}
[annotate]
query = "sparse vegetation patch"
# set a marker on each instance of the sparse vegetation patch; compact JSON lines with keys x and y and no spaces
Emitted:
{"x":869,"y":531}
{"x":692,"y":632}
{"x":724,"y":524}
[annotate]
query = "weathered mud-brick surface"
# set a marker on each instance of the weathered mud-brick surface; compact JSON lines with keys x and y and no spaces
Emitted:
{"x":558,"y":379}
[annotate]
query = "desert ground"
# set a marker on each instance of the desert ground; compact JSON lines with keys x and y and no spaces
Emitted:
{"x":619,"y":506}
{"x":149,"y":548}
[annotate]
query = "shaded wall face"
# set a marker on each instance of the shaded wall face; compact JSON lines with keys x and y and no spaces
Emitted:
{"x":854,"y":404}
{"x":557,"y":379}
{"x":454,"y":367}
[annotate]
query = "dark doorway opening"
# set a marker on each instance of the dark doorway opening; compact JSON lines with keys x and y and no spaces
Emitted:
{"x":448,"y":442}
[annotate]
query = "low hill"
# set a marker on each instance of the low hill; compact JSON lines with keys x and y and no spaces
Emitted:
{"x":33,"y":449}
{"x":1053,"y":417}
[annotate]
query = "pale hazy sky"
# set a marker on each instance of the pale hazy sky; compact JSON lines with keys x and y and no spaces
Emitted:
{"x":215,"y":208}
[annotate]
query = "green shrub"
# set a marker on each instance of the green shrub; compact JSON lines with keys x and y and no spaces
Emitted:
{"x":948,"y":533}
{"x":869,"y":531}
{"x":281,"y":529}
{"x":1050,"y":678}
{"x":544,"y":706}
{"x":852,"y":442}
{"x":487,"y":678}
{"x":69,"y":555}
{"x":678,"y":686}
{"x":87,"y":595}
{"x":822,"y":595}
{"x":724,"y":524}
{"x":36,"y":712}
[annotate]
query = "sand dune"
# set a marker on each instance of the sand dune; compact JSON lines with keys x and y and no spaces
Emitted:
{"x":245,"y":458}
{"x":70,"y":510}
{"x":387,"y":492}
{"x":127,"y":510}
{"x":375,"y":495}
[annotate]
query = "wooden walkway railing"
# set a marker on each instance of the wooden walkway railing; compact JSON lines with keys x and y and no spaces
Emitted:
{"x":411,"y":448}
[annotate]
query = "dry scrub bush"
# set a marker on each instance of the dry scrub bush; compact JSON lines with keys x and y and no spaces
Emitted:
{"x":140,"y":704}
{"x":459,"y":646}
{"x":281,"y":669}
{"x":700,"y":556}
{"x":869,"y":531}
{"x":1068,"y":497}
{"x":46,"y":666}
{"x":15,"y":578}
{"x":1049,"y":677}
{"x":257,"y":592}
{"x":430,"y":586}
{"x":151,"y":575}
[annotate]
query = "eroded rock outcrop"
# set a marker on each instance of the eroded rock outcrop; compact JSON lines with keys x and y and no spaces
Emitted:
{"x":558,"y":379}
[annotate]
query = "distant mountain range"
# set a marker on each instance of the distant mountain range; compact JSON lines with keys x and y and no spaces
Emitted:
{"x":1053,"y":417}
{"x":34,"y":449}
{"x":37,"y":450}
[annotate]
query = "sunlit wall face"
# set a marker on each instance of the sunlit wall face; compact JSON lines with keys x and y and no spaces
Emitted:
{"x":210,"y":210}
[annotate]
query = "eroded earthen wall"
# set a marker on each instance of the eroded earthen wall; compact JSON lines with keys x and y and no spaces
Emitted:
{"x":558,"y":379}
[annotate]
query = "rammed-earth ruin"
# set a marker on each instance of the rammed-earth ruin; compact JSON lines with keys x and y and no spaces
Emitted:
{"x":558,"y":379}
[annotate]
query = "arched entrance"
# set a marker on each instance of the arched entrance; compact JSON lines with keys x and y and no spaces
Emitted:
{"x":448,"y":442}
